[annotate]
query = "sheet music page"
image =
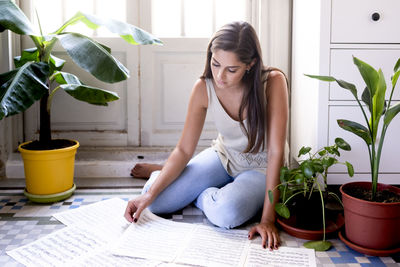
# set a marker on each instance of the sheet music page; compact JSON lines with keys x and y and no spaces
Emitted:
{"x":153,"y":237}
{"x":212,"y":246}
{"x":284,"y":256}
{"x":61,"y":247}
{"x":105,"y":258}
{"x":109,"y":211}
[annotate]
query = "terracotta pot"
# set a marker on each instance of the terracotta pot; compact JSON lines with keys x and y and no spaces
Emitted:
{"x":369,"y":224}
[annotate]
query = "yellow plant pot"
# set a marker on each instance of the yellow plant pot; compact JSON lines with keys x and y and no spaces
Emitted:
{"x":49,"y":172}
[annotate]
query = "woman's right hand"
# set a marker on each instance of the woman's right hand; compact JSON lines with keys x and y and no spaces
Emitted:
{"x":136,"y":206}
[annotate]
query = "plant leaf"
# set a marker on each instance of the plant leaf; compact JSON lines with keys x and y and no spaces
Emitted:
{"x":56,"y":63}
{"x":356,"y":129}
{"x":128,"y":32}
{"x":395,"y":77}
{"x":283,"y":172}
{"x":307,"y":169}
{"x":391,"y":113}
{"x":13,"y":19}
{"x":299,"y":178}
{"x":24,"y":86}
{"x":304,"y":150}
{"x":321,"y":78}
{"x":346,"y":85}
{"x":366,"y":98}
{"x":66,"y":78}
{"x":369,"y":75}
{"x":350,"y":169}
{"x":270,"y":196}
{"x":378,"y":102}
{"x":328,"y":162}
{"x":282,"y":210}
{"x":319,"y":245}
{"x":91,"y":95}
{"x":30,"y":54}
{"x":101,"y":64}
{"x":342,"y":144}
{"x":397,"y":66}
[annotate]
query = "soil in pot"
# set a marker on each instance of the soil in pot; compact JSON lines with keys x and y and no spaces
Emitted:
{"x":53,"y":144}
{"x":384,"y":196}
{"x":308,"y":211}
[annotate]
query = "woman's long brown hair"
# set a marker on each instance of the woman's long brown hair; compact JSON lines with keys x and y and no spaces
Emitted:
{"x":241,"y":39}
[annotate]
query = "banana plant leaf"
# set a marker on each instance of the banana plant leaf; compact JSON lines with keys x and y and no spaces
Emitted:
{"x":128,"y":32}
{"x":30,"y":54}
{"x":92,"y":95}
{"x":100,"y":64}
{"x":12,"y":18}
{"x":20,"y":88}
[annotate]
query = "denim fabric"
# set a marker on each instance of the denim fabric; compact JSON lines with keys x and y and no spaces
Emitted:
{"x":226,"y":201}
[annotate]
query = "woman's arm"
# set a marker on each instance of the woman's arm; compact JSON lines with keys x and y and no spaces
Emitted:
{"x":277,"y":119}
{"x":182,"y":153}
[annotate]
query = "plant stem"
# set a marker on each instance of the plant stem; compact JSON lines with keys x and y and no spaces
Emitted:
{"x":45,"y":129}
{"x":377,"y":161}
{"x":323,"y":209}
{"x":50,"y":98}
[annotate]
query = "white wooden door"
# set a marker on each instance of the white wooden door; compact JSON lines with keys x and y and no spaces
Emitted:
{"x":169,"y":72}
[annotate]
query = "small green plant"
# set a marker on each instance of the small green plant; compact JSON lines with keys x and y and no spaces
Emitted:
{"x":308,"y":178}
{"x":373,"y":97}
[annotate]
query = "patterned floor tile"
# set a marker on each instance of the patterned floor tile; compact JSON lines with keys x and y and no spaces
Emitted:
{"x":22,"y":222}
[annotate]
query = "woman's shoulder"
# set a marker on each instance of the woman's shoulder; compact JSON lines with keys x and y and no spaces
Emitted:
{"x":200,"y":84}
{"x":275,"y":80}
{"x":273,"y":74}
{"x":200,"y":91}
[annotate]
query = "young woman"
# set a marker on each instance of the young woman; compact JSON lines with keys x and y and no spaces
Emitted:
{"x":229,"y":180}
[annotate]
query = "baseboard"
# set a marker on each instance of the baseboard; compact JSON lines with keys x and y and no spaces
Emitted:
{"x":99,"y":162}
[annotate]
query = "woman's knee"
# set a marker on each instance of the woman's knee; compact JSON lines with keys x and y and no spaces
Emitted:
{"x":229,"y":215}
{"x":226,"y":209}
{"x":223,"y":212}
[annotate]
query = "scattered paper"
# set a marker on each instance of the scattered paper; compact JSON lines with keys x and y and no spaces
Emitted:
{"x":153,"y":237}
{"x":284,"y":256}
{"x":99,"y":235}
{"x":110,"y":211}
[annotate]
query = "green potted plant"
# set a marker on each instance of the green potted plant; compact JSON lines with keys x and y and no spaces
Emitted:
{"x":304,"y":194}
{"x":38,"y":76}
{"x":371,"y":219}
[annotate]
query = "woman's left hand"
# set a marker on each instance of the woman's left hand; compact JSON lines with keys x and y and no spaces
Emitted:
{"x":268,"y":232}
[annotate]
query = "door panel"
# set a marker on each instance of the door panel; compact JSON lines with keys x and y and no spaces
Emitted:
{"x":168,"y":75}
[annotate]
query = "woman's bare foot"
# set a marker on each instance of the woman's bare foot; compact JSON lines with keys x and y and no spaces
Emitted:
{"x":143,"y":170}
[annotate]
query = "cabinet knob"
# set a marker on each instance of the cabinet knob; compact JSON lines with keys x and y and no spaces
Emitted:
{"x":375,"y":16}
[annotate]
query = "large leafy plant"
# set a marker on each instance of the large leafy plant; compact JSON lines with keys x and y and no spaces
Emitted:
{"x":308,"y":178}
{"x":373,"y":97}
{"x":38,"y":73}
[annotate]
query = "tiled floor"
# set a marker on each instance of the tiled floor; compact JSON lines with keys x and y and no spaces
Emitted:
{"x":22,"y":222}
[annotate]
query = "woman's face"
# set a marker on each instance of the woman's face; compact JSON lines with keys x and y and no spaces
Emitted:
{"x":227,"y":69}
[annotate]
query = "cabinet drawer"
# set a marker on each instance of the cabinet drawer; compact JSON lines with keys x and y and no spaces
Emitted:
{"x":358,"y":156}
{"x":352,"y":21}
{"x":342,"y":67}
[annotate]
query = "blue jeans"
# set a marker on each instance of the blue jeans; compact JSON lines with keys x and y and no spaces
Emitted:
{"x":226,"y":201}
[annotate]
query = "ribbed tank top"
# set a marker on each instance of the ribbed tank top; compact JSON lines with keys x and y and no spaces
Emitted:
{"x":231,"y":140}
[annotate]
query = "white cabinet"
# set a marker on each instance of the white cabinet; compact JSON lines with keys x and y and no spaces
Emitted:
{"x":326,"y":35}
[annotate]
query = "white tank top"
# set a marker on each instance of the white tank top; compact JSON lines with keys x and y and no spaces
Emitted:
{"x":231,"y":140}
